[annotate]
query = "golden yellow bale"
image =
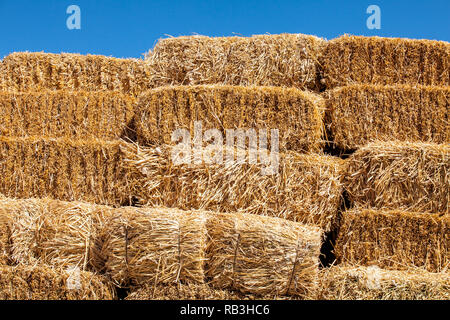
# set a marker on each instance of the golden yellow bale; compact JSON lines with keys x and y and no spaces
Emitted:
{"x":43,"y":283}
{"x":156,"y":245}
{"x":61,"y":113}
{"x":296,"y":114}
{"x":355,"y":59}
{"x":284,"y":60}
{"x":51,"y":232}
{"x":404,"y":176}
{"x":23,"y":71}
{"x":262,"y":255}
{"x":372,"y":283}
{"x":72,"y":170}
{"x":304,"y":188}
{"x":359,"y":114}
{"x":395,"y":239}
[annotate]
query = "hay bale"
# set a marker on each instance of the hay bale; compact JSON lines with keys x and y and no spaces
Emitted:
{"x":262,"y":255}
{"x":355,"y":59}
{"x":296,"y":114}
{"x":71,"y":114}
{"x":159,"y":246}
{"x":5,"y":245}
{"x":306,"y":188}
{"x":72,"y":170}
{"x":394,"y":239}
{"x":403,"y":176}
{"x":23,"y":71}
{"x":359,"y":114}
{"x":43,"y":283}
{"x":373,"y":283}
{"x":51,"y":232}
{"x":284,"y":60}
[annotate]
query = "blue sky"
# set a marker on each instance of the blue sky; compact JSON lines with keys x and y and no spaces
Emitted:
{"x":130,"y":28}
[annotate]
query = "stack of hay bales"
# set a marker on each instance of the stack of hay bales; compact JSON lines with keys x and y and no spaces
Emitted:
{"x":388,"y":100}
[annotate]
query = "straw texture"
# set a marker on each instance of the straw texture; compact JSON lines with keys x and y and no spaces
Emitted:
{"x":395,"y":239}
{"x":373,"y":283}
{"x":68,"y":114}
{"x":63,"y":169}
{"x":262,"y":255}
{"x":403,"y":176}
{"x":284,"y":60}
{"x":23,"y":71}
{"x":43,"y":283}
{"x":354,"y":59}
{"x":159,"y":246}
{"x":306,"y":188}
{"x":51,"y":232}
{"x":296,"y":114}
{"x":359,"y":114}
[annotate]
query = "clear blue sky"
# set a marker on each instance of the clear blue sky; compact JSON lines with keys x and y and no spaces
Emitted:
{"x":130,"y":28}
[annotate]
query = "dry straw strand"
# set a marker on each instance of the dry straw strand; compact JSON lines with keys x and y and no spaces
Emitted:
{"x":69,"y":114}
{"x":23,"y":71}
{"x":350,"y":60}
{"x":404,"y":176}
{"x":306,"y":189}
{"x":284,"y":60}
{"x":359,"y":114}
{"x":346,"y":282}
{"x":296,"y":114}
{"x":44,"y":283}
{"x":395,"y":239}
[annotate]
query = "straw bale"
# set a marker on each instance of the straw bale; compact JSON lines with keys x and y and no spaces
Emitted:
{"x":66,"y":114}
{"x":404,"y":176}
{"x":43,"y":283}
{"x":372,"y":283}
{"x":194,"y":292}
{"x":4,"y":236}
{"x":296,"y":114}
{"x":158,"y":245}
{"x":262,"y":255}
{"x":72,"y":170}
{"x":56,"y":233}
{"x":395,"y":239}
{"x":23,"y":71}
{"x":355,"y":59}
{"x":284,"y":60}
{"x":307,"y":188}
{"x":359,"y":114}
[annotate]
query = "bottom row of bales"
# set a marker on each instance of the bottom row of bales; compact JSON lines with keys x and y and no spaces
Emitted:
{"x":75,"y":250}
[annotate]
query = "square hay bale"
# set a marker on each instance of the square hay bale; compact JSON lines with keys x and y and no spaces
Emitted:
{"x":262,"y":255}
{"x":355,"y":59}
{"x":296,"y":114}
{"x":404,"y":176}
{"x":307,"y":188}
{"x":359,"y":114}
{"x":71,"y":114}
{"x":73,"y":170}
{"x":395,"y":239}
{"x":43,"y":283}
{"x":54,"y":233}
{"x":23,"y":71}
{"x":372,"y":283}
{"x":159,"y":246}
{"x":284,"y":60}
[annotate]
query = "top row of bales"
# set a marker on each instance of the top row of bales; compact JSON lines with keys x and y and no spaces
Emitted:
{"x":285,"y":60}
